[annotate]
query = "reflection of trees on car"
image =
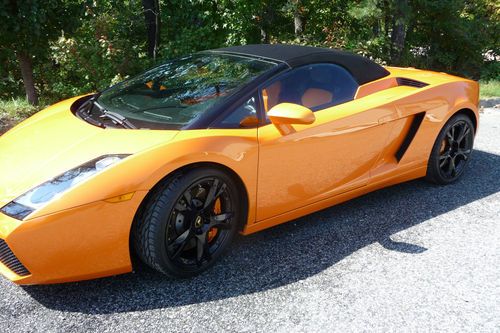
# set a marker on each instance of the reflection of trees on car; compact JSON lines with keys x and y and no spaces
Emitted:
{"x":181,"y":90}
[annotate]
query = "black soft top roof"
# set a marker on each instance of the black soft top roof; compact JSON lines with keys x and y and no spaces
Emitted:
{"x":362,"y":69}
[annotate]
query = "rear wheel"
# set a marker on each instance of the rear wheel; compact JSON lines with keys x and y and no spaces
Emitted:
{"x":451,"y":151}
{"x":188,"y":222}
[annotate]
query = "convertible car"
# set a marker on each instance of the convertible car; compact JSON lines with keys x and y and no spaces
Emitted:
{"x":169,"y":165}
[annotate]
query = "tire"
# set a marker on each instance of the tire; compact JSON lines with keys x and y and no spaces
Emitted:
{"x":188,"y":222}
{"x":451,"y":151}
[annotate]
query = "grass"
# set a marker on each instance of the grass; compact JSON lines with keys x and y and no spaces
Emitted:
{"x":489,"y":89}
{"x":13,"y":111}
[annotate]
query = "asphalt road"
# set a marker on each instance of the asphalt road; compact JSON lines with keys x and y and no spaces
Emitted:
{"x":413,"y":257}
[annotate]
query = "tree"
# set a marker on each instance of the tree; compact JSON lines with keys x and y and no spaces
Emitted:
{"x":28,"y":26}
{"x":399,"y":26}
{"x":153,"y":23}
{"x":298,"y":18}
{"x":62,"y":48}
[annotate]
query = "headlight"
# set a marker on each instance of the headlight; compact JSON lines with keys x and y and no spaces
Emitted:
{"x":52,"y":189}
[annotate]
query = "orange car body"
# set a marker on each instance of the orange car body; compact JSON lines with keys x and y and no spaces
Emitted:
{"x":288,"y":170}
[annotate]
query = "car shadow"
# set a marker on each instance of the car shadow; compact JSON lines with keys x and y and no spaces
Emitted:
{"x":287,"y":253}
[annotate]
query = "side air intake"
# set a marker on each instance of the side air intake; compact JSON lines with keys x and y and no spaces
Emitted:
{"x":410,"y":83}
{"x":415,"y":125}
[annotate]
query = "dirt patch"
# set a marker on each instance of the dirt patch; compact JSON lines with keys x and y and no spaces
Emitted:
{"x":6,"y":124}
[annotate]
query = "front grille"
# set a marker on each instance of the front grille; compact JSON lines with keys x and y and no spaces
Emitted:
{"x":402,"y":81}
{"x":8,"y":258}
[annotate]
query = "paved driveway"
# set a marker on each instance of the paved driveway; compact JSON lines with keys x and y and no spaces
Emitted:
{"x":415,"y":256}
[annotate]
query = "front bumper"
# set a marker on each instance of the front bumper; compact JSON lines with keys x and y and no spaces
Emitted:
{"x":80,"y":243}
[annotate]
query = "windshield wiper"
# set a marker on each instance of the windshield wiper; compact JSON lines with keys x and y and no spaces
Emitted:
{"x":85,"y":113}
{"x":116,"y":118}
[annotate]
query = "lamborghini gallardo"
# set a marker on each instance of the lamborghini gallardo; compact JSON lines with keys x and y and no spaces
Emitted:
{"x":169,"y":165}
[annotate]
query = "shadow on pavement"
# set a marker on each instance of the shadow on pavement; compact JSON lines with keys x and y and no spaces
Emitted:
{"x":287,"y":253}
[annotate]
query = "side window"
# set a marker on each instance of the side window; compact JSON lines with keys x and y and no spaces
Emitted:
{"x":243,"y":116}
{"x":314,"y":86}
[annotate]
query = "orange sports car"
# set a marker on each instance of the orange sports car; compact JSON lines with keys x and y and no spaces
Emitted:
{"x":170,"y":164}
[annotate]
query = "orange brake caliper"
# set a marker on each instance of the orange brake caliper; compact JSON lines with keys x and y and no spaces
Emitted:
{"x":217,"y":210}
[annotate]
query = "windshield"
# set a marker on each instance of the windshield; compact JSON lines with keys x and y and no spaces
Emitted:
{"x":176,"y":93}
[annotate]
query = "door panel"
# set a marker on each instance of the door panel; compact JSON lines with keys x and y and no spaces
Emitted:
{"x":314,"y":162}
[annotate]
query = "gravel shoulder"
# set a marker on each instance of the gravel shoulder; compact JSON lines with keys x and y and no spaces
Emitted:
{"x":414,"y":256}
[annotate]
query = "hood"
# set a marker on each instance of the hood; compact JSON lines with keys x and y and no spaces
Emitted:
{"x":55,"y":140}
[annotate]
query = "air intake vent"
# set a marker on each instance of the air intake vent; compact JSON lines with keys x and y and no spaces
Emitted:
{"x":410,"y":83}
{"x":9,"y":259}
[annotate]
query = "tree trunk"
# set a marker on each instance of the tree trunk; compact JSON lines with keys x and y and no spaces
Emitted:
{"x":299,"y":25}
{"x":266,"y":21}
{"x":152,"y":18}
{"x":27,"y":72}
{"x":298,"y":18}
{"x":398,"y":36}
{"x":387,"y":16}
{"x":264,"y":36}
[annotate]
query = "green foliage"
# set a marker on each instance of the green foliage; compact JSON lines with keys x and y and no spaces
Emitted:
{"x":190,"y":26}
{"x":10,"y":81}
{"x":449,"y":35}
{"x":108,"y":46}
{"x":79,"y":46}
{"x":30,"y":24}
{"x":491,"y":70}
{"x":13,"y":111}
{"x":489,"y":88}
{"x":27,"y":28}
{"x":17,"y":108}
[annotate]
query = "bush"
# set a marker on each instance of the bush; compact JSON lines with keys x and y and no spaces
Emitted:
{"x":491,"y":71}
{"x":489,"y":89}
{"x":14,"y":111}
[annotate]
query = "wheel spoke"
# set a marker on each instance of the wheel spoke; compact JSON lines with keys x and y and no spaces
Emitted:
{"x":443,"y":161}
{"x":197,"y":202}
{"x":219,"y":221}
{"x":444,"y":156}
{"x":452,"y":167}
{"x":450,"y":138}
{"x":180,"y":208}
{"x":202,"y":249}
{"x":453,"y":132}
{"x":465,"y":132}
{"x":211,"y":193}
{"x":221,"y":190}
{"x":214,"y":192}
{"x":206,"y":248}
{"x":458,"y":132}
{"x":464,"y":151}
{"x":188,"y":198}
{"x":179,"y":244}
{"x":222,"y":217}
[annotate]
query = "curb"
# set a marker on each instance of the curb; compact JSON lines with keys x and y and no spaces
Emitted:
{"x":490,"y":102}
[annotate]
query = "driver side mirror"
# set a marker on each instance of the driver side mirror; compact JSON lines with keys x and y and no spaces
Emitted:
{"x":290,"y":113}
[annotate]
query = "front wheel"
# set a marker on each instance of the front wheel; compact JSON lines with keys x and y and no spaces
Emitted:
{"x":451,"y":151}
{"x":188,"y":222}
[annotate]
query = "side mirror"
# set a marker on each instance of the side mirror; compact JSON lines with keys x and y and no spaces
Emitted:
{"x":289,"y":113}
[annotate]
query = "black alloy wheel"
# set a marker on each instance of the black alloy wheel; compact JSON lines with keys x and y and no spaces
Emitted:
{"x":452,"y":150}
{"x":199,"y":222}
{"x":189,"y":222}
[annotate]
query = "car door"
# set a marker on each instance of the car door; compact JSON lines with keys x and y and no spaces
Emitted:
{"x":332,"y":155}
